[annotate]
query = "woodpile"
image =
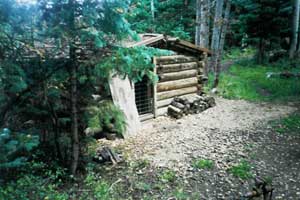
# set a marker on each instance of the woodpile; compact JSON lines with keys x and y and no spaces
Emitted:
{"x":191,"y":104}
{"x":106,"y":154}
{"x":179,"y":75}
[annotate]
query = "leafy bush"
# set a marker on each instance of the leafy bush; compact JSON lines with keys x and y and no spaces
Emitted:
{"x":106,"y":115}
{"x":15,"y":148}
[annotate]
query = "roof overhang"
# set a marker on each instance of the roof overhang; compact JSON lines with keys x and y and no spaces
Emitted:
{"x":171,"y":43}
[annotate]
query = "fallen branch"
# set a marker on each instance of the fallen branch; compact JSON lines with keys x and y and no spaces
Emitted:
{"x":262,"y":188}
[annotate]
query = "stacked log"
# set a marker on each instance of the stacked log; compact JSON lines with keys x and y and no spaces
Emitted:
{"x":179,"y":75}
{"x":191,"y":104}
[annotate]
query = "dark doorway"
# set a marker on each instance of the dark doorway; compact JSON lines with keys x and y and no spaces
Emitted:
{"x":144,"y":96}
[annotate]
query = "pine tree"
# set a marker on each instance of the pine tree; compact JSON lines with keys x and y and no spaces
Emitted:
{"x":295,"y":29}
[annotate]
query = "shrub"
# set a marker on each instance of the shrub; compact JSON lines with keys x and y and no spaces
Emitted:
{"x":106,"y":115}
{"x":15,"y":148}
{"x":32,"y":187}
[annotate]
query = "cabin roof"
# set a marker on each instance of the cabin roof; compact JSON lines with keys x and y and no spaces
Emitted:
{"x":168,"y":42}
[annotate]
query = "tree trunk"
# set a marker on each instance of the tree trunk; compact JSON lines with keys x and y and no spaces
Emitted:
{"x":216,"y":32}
{"x":198,"y":23}
{"x":295,"y":29}
{"x":204,"y":30}
{"x":74,"y":117}
{"x":152,"y":10}
{"x":261,"y":51}
{"x":204,"y":26}
{"x":222,"y":42}
{"x":74,"y":120}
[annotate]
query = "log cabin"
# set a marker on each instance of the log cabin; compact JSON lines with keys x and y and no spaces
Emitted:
{"x":179,"y":74}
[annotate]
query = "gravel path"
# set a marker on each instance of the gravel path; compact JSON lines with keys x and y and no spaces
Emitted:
{"x":232,"y":131}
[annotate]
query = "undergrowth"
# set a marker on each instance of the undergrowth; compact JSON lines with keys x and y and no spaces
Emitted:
{"x":290,"y":124}
{"x":241,"y":170}
{"x":249,"y":81}
{"x":203,"y":164}
{"x":237,"y":53}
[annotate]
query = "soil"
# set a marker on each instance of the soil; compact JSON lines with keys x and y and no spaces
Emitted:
{"x":229,"y":133}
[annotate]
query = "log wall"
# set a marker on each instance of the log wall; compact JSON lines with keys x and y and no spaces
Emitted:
{"x":179,"y":75}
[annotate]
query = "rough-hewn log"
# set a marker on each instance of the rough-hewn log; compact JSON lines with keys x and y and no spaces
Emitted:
{"x":178,"y":75}
{"x":146,"y":117}
{"x":178,"y":105}
{"x":176,"y":67}
{"x":189,"y":104}
{"x":178,"y":84}
{"x":175,"y":112}
{"x":174,"y":93}
{"x":162,"y":111}
{"x":164,"y":103}
{"x":175,"y":59}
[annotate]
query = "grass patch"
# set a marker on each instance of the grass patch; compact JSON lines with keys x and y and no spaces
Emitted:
{"x":241,"y":170}
{"x":168,"y":176}
{"x":290,"y":124}
{"x":237,"y":53}
{"x":250,"y":82}
{"x":203,"y":164}
{"x":180,"y":194}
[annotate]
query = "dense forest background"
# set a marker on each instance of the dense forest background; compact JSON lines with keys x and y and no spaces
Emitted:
{"x":50,"y":93}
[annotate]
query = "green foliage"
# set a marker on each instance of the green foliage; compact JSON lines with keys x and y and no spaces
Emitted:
{"x":15,"y":148}
{"x":143,"y":186}
{"x":173,"y":17}
{"x":167,"y":176}
{"x":132,"y":62}
{"x":255,"y":20}
{"x":180,"y":194}
{"x":238,"y":54}
{"x":12,"y":77}
{"x":105,"y":115}
{"x":140,"y":164}
{"x":32,"y":187}
{"x":290,"y":124}
{"x":241,"y":170}
{"x":250,"y":82}
{"x":203,"y":164}
{"x":99,"y":188}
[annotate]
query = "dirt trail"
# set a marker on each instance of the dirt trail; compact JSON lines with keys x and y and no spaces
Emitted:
{"x":222,"y":134}
{"x":170,"y":143}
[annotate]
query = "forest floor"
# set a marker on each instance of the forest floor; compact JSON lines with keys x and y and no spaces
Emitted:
{"x":211,"y":155}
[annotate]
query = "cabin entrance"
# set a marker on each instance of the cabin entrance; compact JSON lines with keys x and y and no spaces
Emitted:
{"x":144,"y":97}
